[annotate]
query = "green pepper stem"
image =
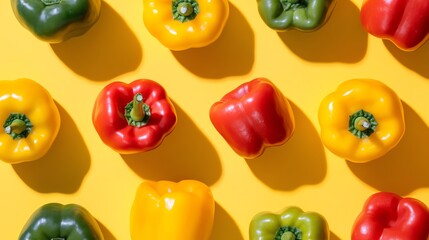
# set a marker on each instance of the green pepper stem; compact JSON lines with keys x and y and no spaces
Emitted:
{"x":185,"y":10}
{"x":137,"y":112}
{"x":17,"y":125}
{"x":362,"y":124}
{"x":50,"y":2}
{"x":288,"y":233}
{"x":293,"y":4}
{"x":288,"y":236}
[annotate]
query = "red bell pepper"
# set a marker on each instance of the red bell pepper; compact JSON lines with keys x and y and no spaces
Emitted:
{"x":252,"y":117}
{"x":387,"y":216}
{"x":404,"y":22}
{"x":133,"y":117}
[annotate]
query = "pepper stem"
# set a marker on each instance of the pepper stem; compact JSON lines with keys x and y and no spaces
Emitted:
{"x":362,"y":124}
{"x":185,"y":10}
{"x":50,"y":2}
{"x":288,"y":233}
{"x":137,"y":112}
{"x":293,"y":4}
{"x":17,"y":125}
{"x":288,"y":236}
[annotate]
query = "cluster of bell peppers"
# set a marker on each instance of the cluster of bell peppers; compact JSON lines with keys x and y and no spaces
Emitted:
{"x":185,"y":210}
{"x":384,"y":215}
{"x":136,"y":117}
{"x":185,"y":24}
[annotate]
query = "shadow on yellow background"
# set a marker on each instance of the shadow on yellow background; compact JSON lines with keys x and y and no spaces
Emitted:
{"x":107,"y":234}
{"x":185,"y":154}
{"x":224,"y":226}
{"x":299,"y":161}
{"x":405,"y":168}
{"x":63,"y":168}
{"x":341,"y":39}
{"x":333,"y":236}
{"x":415,"y":60}
{"x":106,"y":51}
{"x":232,"y":54}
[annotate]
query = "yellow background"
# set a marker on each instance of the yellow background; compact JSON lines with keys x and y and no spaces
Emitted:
{"x":79,"y":168}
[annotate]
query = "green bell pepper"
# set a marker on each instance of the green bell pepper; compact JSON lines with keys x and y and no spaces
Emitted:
{"x":55,"y":21}
{"x":55,"y":221}
{"x":305,"y":15}
{"x":291,"y":224}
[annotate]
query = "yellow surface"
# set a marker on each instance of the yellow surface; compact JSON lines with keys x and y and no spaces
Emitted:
{"x":305,"y":66}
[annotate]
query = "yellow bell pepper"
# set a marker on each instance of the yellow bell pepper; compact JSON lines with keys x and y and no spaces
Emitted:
{"x":362,"y":120}
{"x":184,"y":24}
{"x":166,"y":210}
{"x":30,"y":119}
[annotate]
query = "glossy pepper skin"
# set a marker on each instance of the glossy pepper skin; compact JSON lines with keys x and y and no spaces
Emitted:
{"x":387,"y":216}
{"x":134,"y":117}
{"x":61,"y":222}
{"x":362,"y":120}
{"x":403,"y":22}
{"x":30,"y":120}
{"x":253,"y":116}
{"x":55,"y":21}
{"x":166,"y":210}
{"x":292,"y":223}
{"x":185,"y":24}
{"x":305,"y":15}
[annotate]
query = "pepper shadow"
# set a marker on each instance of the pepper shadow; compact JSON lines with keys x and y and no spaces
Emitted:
{"x":106,"y":51}
{"x":65,"y":165}
{"x":341,"y":39}
{"x":232,"y":54}
{"x":414,"y":60}
{"x":333,"y":236}
{"x":184,"y":154}
{"x":405,"y":168}
{"x":107,"y":234}
{"x":299,"y":161}
{"x":224,"y":226}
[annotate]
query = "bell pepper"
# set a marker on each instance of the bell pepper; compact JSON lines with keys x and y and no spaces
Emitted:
{"x":305,"y":15}
{"x":30,"y":118}
{"x":387,"y":216}
{"x":291,"y":224}
{"x":253,"y":116}
{"x":185,"y":24}
{"x":361,"y":120}
{"x":61,"y":222}
{"x":172,"y":210}
{"x":403,"y":22}
{"x":134,"y":117}
{"x":55,"y":21}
